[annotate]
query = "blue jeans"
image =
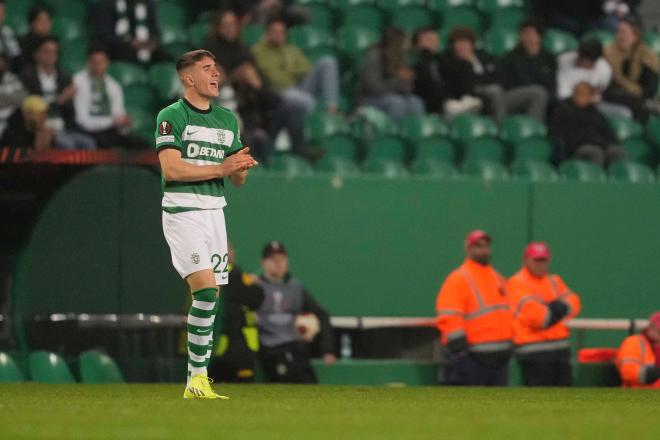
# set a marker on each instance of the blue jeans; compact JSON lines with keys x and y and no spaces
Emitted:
{"x":396,"y":106}
{"x":74,"y":140}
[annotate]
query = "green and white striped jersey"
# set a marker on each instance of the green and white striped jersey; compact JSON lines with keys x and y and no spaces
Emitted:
{"x":204,"y":137}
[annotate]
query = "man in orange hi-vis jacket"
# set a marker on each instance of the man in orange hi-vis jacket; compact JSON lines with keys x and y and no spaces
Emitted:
{"x":474,"y":319}
{"x":638,"y":358}
{"x":541,"y":304}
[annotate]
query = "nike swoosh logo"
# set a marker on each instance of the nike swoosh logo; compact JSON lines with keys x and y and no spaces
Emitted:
{"x":190,"y":133}
{"x":203,"y":331}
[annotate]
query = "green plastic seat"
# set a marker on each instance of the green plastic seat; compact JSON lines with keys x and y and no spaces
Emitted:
{"x":638,"y":150}
{"x":436,"y":148}
{"x":387,"y":147}
{"x":197,"y":34}
{"x":128,"y":74}
{"x":490,"y":6}
{"x":364,"y":15}
{"x":73,"y":56}
{"x":340,"y":145}
{"x":73,"y":9}
{"x":9,"y":371}
{"x":625,"y":128}
{"x":485,"y":170}
{"x":487,"y":149}
{"x":144,"y":122}
{"x":67,"y":29}
{"x":290,"y":165}
{"x":310,"y":36}
{"x":373,"y":123}
{"x":653,"y":40}
{"x":321,"y":124}
{"x":582,"y":171}
{"x":434,"y":168}
{"x":557,"y":42}
{"x":653,"y":130}
{"x":411,"y":18}
{"x":98,"y":367}
{"x":251,"y":34}
{"x":321,"y":15}
{"x":140,"y":96}
{"x":354,"y":39}
{"x":443,"y":5}
{"x":517,"y":128}
{"x":465,"y":128}
{"x":395,"y":5}
{"x":175,"y":50}
{"x":347,"y":5}
{"x":498,"y":42}
{"x":338,"y":166}
{"x":315,"y":53}
{"x":534,"y":171}
{"x":388,"y":168}
{"x":628,"y":171}
{"x":47,"y":367}
{"x":171,"y":14}
{"x":165,"y":81}
{"x":467,"y":17}
{"x":538,"y":149}
{"x":173,"y":34}
{"x":509,"y":18}
{"x":418,"y":127}
{"x":602,"y":36}
{"x":16,"y":15}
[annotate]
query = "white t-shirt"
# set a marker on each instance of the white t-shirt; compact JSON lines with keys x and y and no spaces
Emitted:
{"x":569,"y":75}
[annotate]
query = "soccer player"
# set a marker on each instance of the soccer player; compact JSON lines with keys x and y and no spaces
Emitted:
{"x":198,"y":145}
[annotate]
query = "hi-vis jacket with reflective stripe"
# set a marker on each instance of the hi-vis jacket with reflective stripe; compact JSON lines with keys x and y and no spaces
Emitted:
{"x":634,"y":358}
{"x":529,"y":297}
{"x":472,"y":303}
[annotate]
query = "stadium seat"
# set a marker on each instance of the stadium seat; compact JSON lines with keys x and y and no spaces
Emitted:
{"x":638,"y":150}
{"x":98,"y":367}
{"x":499,"y":41}
{"x":310,"y":37}
{"x":73,"y":9}
{"x":251,"y":34}
{"x":437,"y":149}
{"x":653,"y":40}
{"x":372,"y":123}
{"x":9,"y":371}
{"x":653,"y":130}
{"x":488,"y":149}
{"x":347,"y":5}
{"x":444,"y":5}
{"x":387,"y":147}
{"x":557,"y":42}
{"x":365,"y":15}
{"x":16,"y":16}
{"x":173,"y":34}
{"x":467,"y":127}
{"x":434,"y":168}
{"x":582,"y":171}
{"x":418,"y":127}
{"x":290,"y":165}
{"x":491,"y":6}
{"x":627,"y":171}
{"x":321,"y":16}
{"x":411,"y":18}
{"x":67,"y":29}
{"x":353,"y":39}
{"x":314,"y":54}
{"x":340,"y":145}
{"x":321,"y":124}
{"x":73,"y":56}
{"x":385,"y":167}
{"x":534,"y":171}
{"x":625,"y":128}
{"x":509,"y":18}
{"x":394,"y":6}
{"x":533,"y":149}
{"x":485,"y":170}
{"x":338,"y":166}
{"x":602,"y":36}
{"x":164,"y":80}
{"x":197,"y":33}
{"x":128,"y":74}
{"x":171,"y":14}
{"x":47,"y":367}
{"x":140,"y":96}
{"x":144,"y":122}
{"x":467,"y":17}
{"x":517,"y":128}
{"x":175,"y":50}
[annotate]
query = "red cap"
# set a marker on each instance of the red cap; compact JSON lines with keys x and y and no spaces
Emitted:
{"x":537,"y":251}
{"x":475,"y":236}
{"x":654,"y":319}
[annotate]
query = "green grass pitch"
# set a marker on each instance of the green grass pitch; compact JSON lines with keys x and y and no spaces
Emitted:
{"x":34,"y":411}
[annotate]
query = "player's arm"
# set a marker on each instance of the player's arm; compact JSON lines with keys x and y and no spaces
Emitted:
{"x":175,"y":169}
{"x":238,"y":179}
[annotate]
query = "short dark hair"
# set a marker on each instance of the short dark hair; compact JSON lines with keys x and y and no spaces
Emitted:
{"x":276,"y":19}
{"x":47,"y":39}
{"x":533,"y":22}
{"x":190,"y":58}
{"x":35,"y":11}
{"x":96,"y":48}
{"x":421,"y":31}
{"x":590,"y":49}
{"x":462,"y":33}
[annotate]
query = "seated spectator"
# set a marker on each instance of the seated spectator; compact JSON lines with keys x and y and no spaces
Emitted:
{"x":99,"y":104}
{"x":41,"y":24}
{"x":588,"y":65}
{"x":224,"y":41}
{"x":12,"y":92}
{"x":386,"y":80}
{"x":635,"y":69}
{"x":283,"y":350}
{"x":43,"y":77}
{"x":430,"y":85}
{"x":529,"y":66}
{"x":299,"y":83}
{"x":638,"y":359}
{"x":129,"y":29}
{"x":28,"y":126}
{"x":474,"y":72}
{"x":582,"y":132}
{"x":9,"y":46}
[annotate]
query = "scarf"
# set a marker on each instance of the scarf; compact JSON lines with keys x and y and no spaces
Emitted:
{"x":141,"y":31}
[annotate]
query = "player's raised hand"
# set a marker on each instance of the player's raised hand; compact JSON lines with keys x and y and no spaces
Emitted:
{"x":240,"y":161}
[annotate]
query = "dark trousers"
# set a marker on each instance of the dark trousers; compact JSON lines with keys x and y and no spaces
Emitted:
{"x":232,"y":371}
{"x":463,"y":369}
{"x":112,"y":138}
{"x":537,"y":373}
{"x":288,"y":363}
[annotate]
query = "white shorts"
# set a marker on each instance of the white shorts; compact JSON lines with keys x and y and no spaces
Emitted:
{"x":198,"y":241}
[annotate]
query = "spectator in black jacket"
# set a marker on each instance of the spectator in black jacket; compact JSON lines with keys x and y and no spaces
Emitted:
{"x":41,"y":24}
{"x":430,"y":83}
{"x":474,"y":72}
{"x":287,"y":320}
{"x":580,"y":131}
{"x":529,"y":64}
{"x":129,"y":29}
